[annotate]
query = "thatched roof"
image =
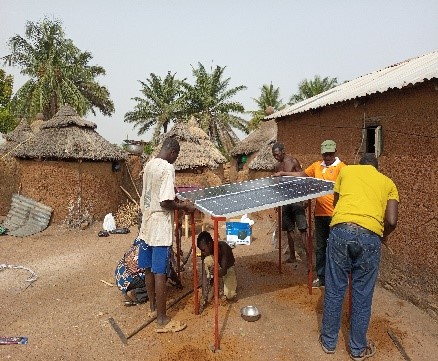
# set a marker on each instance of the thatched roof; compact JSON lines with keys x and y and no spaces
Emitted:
{"x":264,"y":159}
{"x":68,"y":136}
{"x":20,"y":134}
{"x":196,"y":148}
{"x":266,"y":133}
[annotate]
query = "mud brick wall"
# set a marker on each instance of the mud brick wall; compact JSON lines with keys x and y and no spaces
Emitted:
{"x":58,"y":184}
{"x":409,"y":120}
{"x":8,"y":182}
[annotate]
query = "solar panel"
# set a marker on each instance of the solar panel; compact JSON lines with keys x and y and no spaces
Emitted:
{"x":229,"y":200}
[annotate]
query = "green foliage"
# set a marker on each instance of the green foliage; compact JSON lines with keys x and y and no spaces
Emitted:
{"x":209,"y":100}
{"x":59,"y":73}
{"x":269,"y":100}
{"x":162,"y":103}
{"x":310,"y":88}
{"x":7,"y":121}
{"x":149,"y":148}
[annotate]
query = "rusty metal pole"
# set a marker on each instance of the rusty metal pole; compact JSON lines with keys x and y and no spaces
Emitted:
{"x":178,"y":243}
{"x":279,"y":210}
{"x":216,"y":285}
{"x":310,"y":246}
{"x":216,"y":281}
{"x":195,"y":270}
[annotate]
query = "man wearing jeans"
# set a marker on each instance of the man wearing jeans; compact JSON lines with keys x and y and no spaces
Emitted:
{"x":366,"y":212}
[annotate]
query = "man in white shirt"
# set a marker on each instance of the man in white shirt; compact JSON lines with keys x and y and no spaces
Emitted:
{"x":157,"y":204}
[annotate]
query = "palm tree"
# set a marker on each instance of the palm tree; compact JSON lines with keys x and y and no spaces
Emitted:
{"x":59,"y":73}
{"x":268,"y":102}
{"x":7,"y":121}
{"x":162,"y":103}
{"x":209,"y":101}
{"x":310,"y":88}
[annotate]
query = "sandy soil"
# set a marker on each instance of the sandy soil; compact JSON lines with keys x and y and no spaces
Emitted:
{"x":65,"y":312}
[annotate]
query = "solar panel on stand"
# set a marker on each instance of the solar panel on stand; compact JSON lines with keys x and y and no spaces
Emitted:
{"x":229,"y":200}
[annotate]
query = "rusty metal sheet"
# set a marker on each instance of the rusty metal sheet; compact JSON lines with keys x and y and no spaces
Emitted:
{"x":26,"y":217}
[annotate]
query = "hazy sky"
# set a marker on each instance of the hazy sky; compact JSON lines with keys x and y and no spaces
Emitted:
{"x":282,"y":42}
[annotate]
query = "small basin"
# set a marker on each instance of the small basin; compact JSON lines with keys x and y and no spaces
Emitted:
{"x":250,"y":313}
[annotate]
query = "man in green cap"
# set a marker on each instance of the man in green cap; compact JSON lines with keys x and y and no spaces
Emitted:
{"x":328,"y":169}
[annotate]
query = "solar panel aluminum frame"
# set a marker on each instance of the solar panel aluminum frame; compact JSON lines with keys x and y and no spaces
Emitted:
{"x":272,"y":192}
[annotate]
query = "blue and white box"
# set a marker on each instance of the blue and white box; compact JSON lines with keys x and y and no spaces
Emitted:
{"x":238,"y":233}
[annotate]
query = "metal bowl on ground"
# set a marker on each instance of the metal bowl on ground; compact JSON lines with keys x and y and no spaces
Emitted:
{"x":250,"y":313}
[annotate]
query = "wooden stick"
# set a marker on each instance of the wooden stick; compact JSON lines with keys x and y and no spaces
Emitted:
{"x":132,"y":180}
{"x":399,"y":346}
{"x":107,"y":283}
{"x":129,"y":196}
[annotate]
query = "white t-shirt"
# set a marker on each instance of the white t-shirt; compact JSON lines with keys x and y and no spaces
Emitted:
{"x":158,"y":185}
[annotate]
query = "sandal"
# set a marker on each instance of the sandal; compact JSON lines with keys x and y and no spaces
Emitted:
{"x":368,"y":351}
{"x":171,"y":326}
{"x":130,"y":303}
{"x":324,"y":348}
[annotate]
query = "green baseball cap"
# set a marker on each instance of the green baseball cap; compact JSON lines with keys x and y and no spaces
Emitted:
{"x":328,"y":146}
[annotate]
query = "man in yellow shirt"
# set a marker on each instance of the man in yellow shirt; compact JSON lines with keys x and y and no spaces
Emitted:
{"x":366,"y":212}
{"x":328,"y":169}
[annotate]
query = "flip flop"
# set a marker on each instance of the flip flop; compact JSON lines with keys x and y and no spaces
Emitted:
{"x":172,"y":326}
{"x":130,"y":303}
{"x":293,"y":263}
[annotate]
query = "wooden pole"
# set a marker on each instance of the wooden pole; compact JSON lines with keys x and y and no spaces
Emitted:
{"x":129,"y":196}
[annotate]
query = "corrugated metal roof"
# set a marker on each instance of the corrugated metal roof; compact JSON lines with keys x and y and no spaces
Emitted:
{"x":26,"y":217}
{"x":411,"y":71}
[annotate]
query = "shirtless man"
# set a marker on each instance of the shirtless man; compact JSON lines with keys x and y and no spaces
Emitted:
{"x":291,"y":213}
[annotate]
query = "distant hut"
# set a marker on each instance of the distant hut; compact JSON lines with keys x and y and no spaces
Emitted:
{"x":252,"y":156}
{"x":68,"y":166}
{"x":8,"y":164}
{"x":199,"y":162}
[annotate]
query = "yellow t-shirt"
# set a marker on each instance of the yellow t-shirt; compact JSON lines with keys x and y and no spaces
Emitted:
{"x":363,"y":194}
{"x":324,"y":204}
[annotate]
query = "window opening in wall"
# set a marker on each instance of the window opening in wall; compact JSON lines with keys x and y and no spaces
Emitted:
{"x":372,"y":140}
{"x":241,"y":160}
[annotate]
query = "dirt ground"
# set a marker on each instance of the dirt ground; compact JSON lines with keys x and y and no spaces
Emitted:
{"x":65,"y":312}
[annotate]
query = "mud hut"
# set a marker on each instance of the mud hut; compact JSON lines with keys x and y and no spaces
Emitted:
{"x":199,"y":162}
{"x":393,"y":113}
{"x":9,"y":165}
{"x":252,"y":157}
{"x":68,"y":166}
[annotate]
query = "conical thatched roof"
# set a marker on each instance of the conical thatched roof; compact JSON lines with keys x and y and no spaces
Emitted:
{"x":264,"y":159}
{"x":68,"y":136}
{"x":20,"y":134}
{"x":266,"y":133}
{"x":196,"y":148}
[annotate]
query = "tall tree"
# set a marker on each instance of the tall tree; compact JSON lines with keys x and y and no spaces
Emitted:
{"x":310,"y":88}
{"x":59,"y":73}
{"x":210,"y":101}
{"x":162,"y":103}
{"x":7,"y":121}
{"x":268,"y":102}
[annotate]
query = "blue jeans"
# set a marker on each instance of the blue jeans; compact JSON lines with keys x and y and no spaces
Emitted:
{"x":322,"y":231}
{"x":358,"y":252}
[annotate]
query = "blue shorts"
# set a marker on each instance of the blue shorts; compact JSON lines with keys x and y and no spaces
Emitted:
{"x":156,"y":258}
